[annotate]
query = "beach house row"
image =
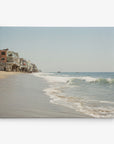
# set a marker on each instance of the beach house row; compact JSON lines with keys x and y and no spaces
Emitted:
{"x":10,"y":61}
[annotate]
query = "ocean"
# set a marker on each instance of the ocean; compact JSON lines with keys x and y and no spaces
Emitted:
{"x":90,"y":93}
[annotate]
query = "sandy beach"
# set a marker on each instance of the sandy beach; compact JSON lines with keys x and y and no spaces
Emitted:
{"x":22,"y":96}
{"x":4,"y":74}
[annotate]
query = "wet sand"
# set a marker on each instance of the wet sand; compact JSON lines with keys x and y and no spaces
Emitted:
{"x":22,"y":96}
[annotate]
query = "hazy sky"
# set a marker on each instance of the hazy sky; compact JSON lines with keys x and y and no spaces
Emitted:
{"x":64,"y":49}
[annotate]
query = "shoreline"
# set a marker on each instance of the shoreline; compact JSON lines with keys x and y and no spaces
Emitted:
{"x":22,"y":96}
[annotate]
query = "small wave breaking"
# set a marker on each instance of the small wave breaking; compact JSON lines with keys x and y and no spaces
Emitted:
{"x":73,"y":81}
{"x":93,"y":108}
{"x":96,"y":109}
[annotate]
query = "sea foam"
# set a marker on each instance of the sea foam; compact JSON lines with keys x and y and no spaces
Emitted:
{"x":97,"y":109}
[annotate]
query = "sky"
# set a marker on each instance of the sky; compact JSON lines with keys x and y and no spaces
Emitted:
{"x":66,"y":49}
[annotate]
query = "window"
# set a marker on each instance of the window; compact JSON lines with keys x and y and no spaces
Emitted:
{"x":2,"y":59}
{"x":10,"y":54}
{"x":3,"y":53}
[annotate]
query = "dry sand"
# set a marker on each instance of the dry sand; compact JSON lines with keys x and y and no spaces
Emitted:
{"x":4,"y":74}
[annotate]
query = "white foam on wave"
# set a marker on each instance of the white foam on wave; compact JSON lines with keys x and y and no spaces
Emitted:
{"x":92,"y":79}
{"x":58,"y":83}
{"x":79,"y":104}
{"x":73,"y":81}
{"x":88,"y":79}
{"x":51,"y":78}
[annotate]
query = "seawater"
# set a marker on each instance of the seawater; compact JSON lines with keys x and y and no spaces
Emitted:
{"x":91,"y":93}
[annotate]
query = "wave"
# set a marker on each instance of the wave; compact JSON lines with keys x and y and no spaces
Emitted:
{"x":51,"y":77}
{"x":93,"y":108}
{"x":90,"y":80}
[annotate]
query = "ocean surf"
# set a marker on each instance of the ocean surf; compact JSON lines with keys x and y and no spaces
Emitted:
{"x":88,"y":93}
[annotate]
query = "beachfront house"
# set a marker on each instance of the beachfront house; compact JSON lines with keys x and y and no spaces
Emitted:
{"x":10,"y":61}
{"x":13,"y":62}
{"x":3,"y":59}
